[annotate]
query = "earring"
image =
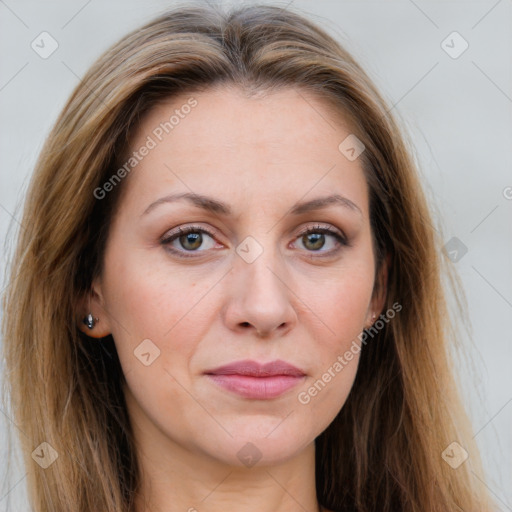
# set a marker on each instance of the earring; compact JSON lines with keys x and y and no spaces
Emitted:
{"x":373,"y":317}
{"x":90,"y":321}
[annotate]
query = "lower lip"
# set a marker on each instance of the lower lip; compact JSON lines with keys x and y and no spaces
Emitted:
{"x":259,"y":388}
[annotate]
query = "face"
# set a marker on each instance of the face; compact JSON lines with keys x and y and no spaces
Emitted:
{"x":248,"y":265}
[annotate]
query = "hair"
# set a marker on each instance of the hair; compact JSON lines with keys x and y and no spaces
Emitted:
{"x":383,"y":449}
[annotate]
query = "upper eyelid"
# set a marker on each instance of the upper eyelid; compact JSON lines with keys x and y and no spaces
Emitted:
{"x":319,"y":227}
{"x":175,"y":233}
{"x":214,"y":232}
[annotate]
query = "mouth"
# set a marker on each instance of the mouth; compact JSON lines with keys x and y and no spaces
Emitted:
{"x":253,"y":380}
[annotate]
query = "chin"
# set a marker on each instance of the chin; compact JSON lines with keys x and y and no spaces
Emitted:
{"x":261,"y":444}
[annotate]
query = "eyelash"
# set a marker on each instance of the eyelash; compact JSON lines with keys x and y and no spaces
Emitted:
{"x":167,"y":240}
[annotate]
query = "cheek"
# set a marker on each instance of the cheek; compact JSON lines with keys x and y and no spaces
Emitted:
{"x":340,"y":303}
{"x":147,"y":297}
{"x":156,"y":303}
{"x":342,"y":310}
{"x":341,"y":307}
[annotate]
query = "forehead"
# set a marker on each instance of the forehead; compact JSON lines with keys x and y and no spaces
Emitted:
{"x":280,"y":143}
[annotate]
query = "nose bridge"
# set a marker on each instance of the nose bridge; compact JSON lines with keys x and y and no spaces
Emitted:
{"x":260,"y":295}
{"x":259,"y":265}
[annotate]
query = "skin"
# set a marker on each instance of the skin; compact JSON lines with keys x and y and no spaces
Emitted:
{"x":260,"y":155}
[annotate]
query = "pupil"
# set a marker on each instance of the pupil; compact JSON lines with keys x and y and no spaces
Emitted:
{"x":192,"y":237}
{"x":315,"y":238}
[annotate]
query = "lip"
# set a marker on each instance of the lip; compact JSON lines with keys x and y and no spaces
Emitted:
{"x":251,"y":379}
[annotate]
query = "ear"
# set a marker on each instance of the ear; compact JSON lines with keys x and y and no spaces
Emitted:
{"x":93,"y":303}
{"x":379,"y":292}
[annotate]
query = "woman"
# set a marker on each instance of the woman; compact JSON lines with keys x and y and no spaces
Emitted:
{"x":227,"y":292}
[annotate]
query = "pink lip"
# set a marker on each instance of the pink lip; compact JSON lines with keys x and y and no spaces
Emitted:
{"x":258,"y":381}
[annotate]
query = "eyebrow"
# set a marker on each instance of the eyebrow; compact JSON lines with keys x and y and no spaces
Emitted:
{"x":213,"y":205}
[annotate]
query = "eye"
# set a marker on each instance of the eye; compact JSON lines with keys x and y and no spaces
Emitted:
{"x":195,"y":239}
{"x":189,"y":239}
{"x":316,"y":238}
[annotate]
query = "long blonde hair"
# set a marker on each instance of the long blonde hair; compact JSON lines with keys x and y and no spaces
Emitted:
{"x":384,"y":449}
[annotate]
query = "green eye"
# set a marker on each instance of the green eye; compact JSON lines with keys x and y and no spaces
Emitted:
{"x":184,"y":242}
{"x":190,"y":239}
{"x":314,"y":239}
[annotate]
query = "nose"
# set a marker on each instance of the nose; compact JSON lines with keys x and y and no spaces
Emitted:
{"x":260,"y":297}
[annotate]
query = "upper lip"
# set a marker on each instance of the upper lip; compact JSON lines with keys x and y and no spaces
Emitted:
{"x":255,"y":369}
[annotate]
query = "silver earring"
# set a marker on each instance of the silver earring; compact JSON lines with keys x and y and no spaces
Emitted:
{"x":90,"y":321}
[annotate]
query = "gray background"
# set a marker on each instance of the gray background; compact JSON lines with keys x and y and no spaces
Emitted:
{"x":457,"y":111}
